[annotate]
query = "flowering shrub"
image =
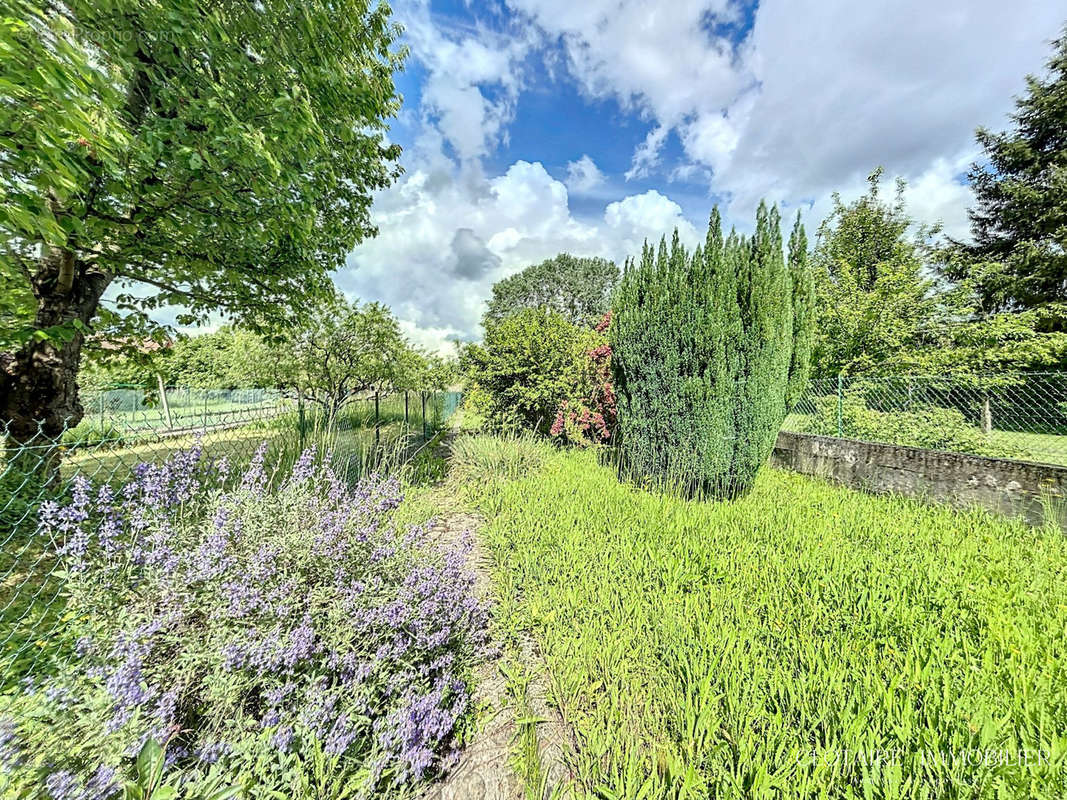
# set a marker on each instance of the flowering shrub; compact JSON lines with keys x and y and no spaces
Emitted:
{"x":248,"y":621}
{"x":591,"y":418}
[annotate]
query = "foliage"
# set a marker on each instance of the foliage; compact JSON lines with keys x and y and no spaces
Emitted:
{"x":223,"y":160}
{"x":529,"y":364}
{"x":1019,"y":255}
{"x":926,"y":425}
{"x":229,"y":358}
{"x":703,"y":349}
{"x":579,"y":289}
{"x":348,"y":349}
{"x":767,"y":646}
{"x":590,"y":417}
{"x":873,"y":302}
{"x":272,"y":624}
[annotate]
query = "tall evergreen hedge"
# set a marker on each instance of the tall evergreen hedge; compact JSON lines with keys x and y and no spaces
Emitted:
{"x":709,"y":349}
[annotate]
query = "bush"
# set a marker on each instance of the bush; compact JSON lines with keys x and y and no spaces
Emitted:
{"x":930,"y":426}
{"x":705,"y":354}
{"x":530,"y":363}
{"x":590,"y":418}
{"x":263,"y":631}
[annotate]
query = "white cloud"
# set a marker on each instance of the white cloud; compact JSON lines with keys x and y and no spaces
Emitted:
{"x":816,"y":96}
{"x":473,"y":82}
{"x":446,"y":235}
{"x":583,"y":175}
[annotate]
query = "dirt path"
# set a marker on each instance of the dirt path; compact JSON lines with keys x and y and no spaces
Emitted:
{"x":487,"y":767}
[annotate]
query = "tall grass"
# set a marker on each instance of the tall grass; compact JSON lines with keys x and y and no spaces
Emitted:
{"x":803,"y":641}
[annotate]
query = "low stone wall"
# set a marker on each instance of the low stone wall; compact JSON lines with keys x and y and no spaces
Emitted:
{"x":1014,"y":488}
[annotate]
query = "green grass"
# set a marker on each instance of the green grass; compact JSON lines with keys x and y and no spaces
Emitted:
{"x":803,"y":641}
{"x":1044,"y":448}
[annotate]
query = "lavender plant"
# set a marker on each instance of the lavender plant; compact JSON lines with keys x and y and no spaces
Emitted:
{"x":247,"y":621}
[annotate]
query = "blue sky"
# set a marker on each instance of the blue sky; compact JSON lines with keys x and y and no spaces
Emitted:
{"x":532,"y":127}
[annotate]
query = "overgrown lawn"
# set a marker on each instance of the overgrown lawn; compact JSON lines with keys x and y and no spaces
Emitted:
{"x":803,"y":641}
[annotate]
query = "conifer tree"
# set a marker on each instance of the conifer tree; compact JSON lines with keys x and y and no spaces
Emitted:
{"x":706,"y":354}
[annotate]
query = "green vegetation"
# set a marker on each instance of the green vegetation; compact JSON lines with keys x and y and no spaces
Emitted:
{"x":234,"y":181}
{"x":530,"y":363}
{"x":1019,"y":254}
{"x":704,"y":352}
{"x":577,"y":288}
{"x":764,"y":647}
{"x":926,"y":425}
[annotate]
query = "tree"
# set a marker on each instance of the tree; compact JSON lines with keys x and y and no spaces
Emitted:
{"x":229,"y":358}
{"x":221,"y":155}
{"x":579,"y":289}
{"x":874,"y":305}
{"x":530,"y":363}
{"x":1018,"y":259}
{"x":704,"y":350}
{"x":345,"y":350}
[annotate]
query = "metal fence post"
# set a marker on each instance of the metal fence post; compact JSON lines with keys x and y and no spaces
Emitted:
{"x":300,"y":416}
{"x":840,"y":406}
{"x":423,"y":394}
{"x":376,"y":431}
{"x":405,"y":407}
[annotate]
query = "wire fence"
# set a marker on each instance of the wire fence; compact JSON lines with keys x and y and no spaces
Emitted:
{"x":1009,"y":415}
{"x":126,"y":437}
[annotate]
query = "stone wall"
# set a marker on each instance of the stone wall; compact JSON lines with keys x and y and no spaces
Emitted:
{"x":1015,"y":488}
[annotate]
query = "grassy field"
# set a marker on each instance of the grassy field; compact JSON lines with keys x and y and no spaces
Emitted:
{"x":803,"y":641}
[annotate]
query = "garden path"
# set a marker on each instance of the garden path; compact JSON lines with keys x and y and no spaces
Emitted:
{"x":486,"y":767}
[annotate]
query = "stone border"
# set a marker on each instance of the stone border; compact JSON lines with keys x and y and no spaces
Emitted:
{"x":1031,"y":491}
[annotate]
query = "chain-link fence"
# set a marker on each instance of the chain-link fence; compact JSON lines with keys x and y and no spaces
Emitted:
{"x":128,"y":437}
{"x":1009,"y":415}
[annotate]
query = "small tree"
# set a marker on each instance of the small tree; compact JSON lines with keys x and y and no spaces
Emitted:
{"x":347,"y":349}
{"x":579,"y":289}
{"x":875,"y":306}
{"x":528,"y":365}
{"x":704,"y":351}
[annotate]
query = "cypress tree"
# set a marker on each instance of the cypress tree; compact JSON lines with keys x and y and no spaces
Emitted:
{"x":706,"y":355}
{"x":800,"y":273}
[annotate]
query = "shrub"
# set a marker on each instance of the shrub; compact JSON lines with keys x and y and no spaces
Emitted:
{"x":590,"y":418}
{"x":704,"y":349}
{"x":251,"y":628}
{"x":930,"y":426}
{"x":529,"y":364}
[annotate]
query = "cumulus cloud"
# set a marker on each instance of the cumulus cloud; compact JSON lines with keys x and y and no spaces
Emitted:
{"x":473,"y":78}
{"x":446,"y":235}
{"x":815,"y":96}
{"x":583,"y":175}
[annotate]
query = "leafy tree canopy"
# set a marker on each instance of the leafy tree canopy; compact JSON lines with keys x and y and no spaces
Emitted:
{"x":579,"y":289}
{"x":219,"y":155}
{"x":530,"y":363}
{"x":348,"y":349}
{"x":874,"y":302}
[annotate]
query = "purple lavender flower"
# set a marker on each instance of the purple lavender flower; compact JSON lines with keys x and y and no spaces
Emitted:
{"x":10,"y":753}
{"x":103,"y":783}
{"x":61,"y":785}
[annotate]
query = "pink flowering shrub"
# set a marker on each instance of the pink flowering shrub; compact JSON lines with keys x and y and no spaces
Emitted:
{"x":590,"y":418}
{"x":247,"y":627}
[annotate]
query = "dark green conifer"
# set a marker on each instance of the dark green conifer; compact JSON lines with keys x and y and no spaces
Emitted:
{"x":705,"y":355}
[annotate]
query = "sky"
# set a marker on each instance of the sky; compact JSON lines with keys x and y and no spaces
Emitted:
{"x":533,"y":127}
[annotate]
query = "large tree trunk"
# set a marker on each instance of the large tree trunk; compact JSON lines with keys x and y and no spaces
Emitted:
{"x":38,"y":382}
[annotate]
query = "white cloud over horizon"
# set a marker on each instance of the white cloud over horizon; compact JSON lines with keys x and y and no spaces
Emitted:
{"x":805,"y":102}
